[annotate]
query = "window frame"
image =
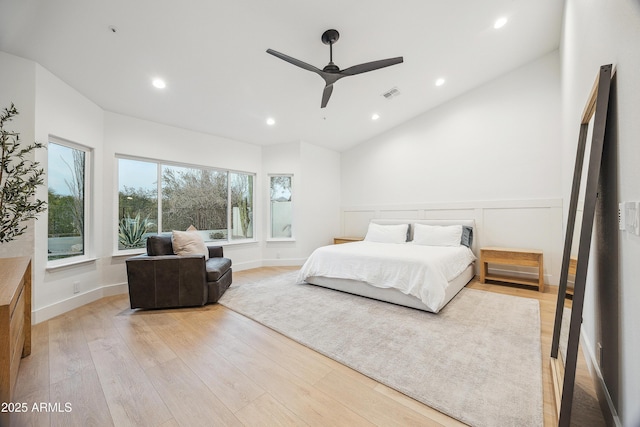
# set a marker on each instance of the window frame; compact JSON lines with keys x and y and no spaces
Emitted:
{"x":230,"y":209}
{"x":89,"y":240}
{"x":270,"y":237}
{"x":116,"y":215}
{"x":159,"y":164}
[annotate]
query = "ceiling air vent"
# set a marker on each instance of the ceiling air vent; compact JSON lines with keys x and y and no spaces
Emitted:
{"x":391,"y":93}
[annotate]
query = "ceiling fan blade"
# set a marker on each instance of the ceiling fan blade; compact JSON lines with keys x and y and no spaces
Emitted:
{"x":326,"y":94}
{"x":294,"y":61}
{"x":370,"y":66}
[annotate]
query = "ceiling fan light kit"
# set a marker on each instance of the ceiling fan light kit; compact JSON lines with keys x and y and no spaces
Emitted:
{"x":331,"y":73}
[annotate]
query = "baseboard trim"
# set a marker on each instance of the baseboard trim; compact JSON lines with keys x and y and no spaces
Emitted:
{"x":604,"y":398}
{"x":239,"y":266}
{"x":76,"y":301}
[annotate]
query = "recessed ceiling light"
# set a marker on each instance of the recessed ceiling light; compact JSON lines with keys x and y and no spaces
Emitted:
{"x":440,"y":82}
{"x":375,"y":116}
{"x":500,"y":23}
{"x":271,"y":121}
{"x":159,"y":83}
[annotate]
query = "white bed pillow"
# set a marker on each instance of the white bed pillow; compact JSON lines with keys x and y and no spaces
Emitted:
{"x":386,"y":233}
{"x":437,"y":235}
{"x":188,"y":243}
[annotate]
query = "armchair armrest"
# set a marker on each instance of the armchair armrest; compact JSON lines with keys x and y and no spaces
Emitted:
{"x":215,"y":252}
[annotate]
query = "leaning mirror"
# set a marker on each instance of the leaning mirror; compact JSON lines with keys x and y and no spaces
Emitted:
{"x":573,"y":274}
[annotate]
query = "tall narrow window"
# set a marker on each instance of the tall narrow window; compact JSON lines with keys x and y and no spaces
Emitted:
{"x":281,"y":209}
{"x":241,"y":189}
{"x":67,"y":207}
{"x":137,"y":202}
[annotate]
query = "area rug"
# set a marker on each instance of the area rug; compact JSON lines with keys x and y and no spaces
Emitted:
{"x":478,"y":360}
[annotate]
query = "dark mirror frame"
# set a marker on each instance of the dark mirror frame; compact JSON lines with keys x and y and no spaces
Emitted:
{"x":564,"y":374}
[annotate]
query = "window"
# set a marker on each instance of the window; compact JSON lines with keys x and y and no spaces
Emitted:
{"x":137,"y":202}
{"x":241,"y":189}
{"x":281,"y":207}
{"x":195,"y":197}
{"x":67,"y":174}
{"x":158,"y":198}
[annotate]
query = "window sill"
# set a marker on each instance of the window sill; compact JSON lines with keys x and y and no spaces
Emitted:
{"x":281,"y":240}
{"x":233,"y":242}
{"x":134,"y":252}
{"x":69,"y":263}
{"x":131,"y":252}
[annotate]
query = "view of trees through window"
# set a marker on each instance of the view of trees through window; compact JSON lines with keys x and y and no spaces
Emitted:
{"x":66,"y":204}
{"x":205,"y":198}
{"x":195,"y":197}
{"x":241,"y":188}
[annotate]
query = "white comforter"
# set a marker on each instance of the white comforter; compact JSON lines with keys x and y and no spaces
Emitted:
{"x":421,"y":271}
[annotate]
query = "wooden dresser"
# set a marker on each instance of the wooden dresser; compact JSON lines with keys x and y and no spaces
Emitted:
{"x":15,"y":323}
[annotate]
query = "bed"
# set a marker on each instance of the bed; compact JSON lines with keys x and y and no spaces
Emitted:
{"x":415,"y":268}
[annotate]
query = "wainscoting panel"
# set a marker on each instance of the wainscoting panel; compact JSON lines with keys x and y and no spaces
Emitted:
{"x":452,"y":214}
{"x":393,"y":214}
{"x":534,"y":224}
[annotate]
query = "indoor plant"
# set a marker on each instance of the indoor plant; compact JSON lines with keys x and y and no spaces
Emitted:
{"x":19,"y":180}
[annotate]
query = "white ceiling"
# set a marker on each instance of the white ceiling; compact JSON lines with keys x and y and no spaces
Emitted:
{"x":221,"y":81}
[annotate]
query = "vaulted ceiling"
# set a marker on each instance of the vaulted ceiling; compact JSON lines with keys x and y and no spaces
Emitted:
{"x":220,"y":80}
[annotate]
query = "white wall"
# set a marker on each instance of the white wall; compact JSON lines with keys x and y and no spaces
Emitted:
{"x":17,"y":78}
{"x":598,"y":32}
{"x":282,"y":159}
{"x":316,"y":199}
{"x":48,"y":106}
{"x":134,"y":137}
{"x":492,"y":154}
{"x":320,"y":197}
{"x":497,"y":142}
{"x":63,"y":112}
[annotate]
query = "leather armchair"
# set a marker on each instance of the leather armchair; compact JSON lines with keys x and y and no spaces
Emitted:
{"x":161,"y":279}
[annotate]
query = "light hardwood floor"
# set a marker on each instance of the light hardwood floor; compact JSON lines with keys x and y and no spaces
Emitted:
{"x":104,"y":364}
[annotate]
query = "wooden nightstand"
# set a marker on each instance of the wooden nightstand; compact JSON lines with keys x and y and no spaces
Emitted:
{"x":510,"y":256}
{"x":338,"y":240}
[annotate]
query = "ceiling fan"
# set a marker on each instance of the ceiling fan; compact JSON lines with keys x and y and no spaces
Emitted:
{"x":331,"y":73}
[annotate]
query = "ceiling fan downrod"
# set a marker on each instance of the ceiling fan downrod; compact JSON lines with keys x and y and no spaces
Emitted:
{"x":330,"y":37}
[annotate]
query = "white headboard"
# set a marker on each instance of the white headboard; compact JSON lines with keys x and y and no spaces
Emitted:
{"x":468,"y":222}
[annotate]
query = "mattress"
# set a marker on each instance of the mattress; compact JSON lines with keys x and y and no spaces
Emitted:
{"x":430,"y":274}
